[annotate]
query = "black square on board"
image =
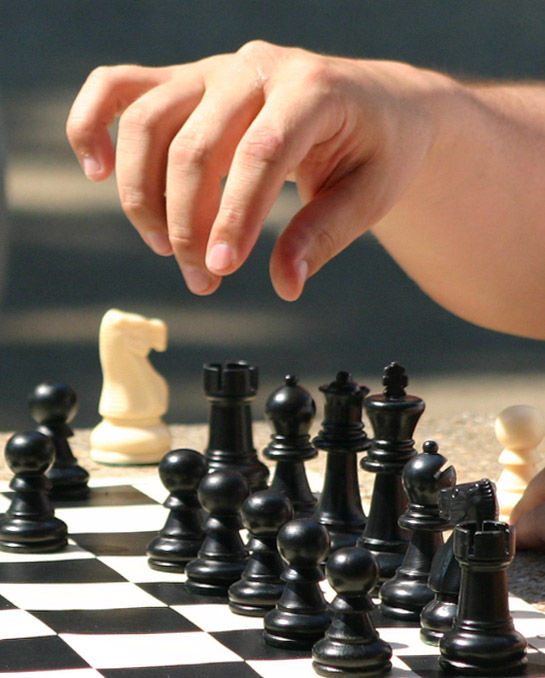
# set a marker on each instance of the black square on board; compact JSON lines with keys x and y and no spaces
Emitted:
{"x":223,"y":670}
{"x":114,"y":543}
{"x":172,"y":593}
{"x":130,"y":620}
{"x":249,"y":644}
{"x":80,"y":570}
{"x":39,"y":654}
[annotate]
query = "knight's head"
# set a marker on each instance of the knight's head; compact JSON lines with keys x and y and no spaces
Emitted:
{"x":469,"y":501}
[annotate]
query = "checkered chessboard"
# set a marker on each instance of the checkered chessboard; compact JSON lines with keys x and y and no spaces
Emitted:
{"x":97,"y":609}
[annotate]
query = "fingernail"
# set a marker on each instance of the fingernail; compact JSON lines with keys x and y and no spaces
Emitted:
{"x":197,"y":280}
{"x":159,"y":242}
{"x":91,"y":166}
{"x":219,"y":258}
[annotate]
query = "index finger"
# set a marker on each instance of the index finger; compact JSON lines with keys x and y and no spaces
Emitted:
{"x":107,"y":92}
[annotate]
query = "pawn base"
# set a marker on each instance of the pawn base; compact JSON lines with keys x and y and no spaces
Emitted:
{"x":293,"y":630}
{"x":27,"y":536}
{"x":171,"y":555}
{"x":254,"y":598}
{"x":211,"y":577}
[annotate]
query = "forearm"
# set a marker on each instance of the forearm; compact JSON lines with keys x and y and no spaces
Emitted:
{"x":470,"y":229}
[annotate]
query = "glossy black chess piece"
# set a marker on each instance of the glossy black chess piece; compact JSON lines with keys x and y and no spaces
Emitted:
{"x":342,"y":436}
{"x":222,"y":556}
{"x":53,"y":405}
{"x":29,"y":525}
{"x":290,"y":410}
{"x":424,"y":476}
{"x":260,"y":586}
{"x":483,"y":640}
{"x":181,"y":472}
{"x":300,"y":617}
{"x":394,"y":416}
{"x":230,"y":389}
{"x":466,"y":502}
{"x":352,"y":646}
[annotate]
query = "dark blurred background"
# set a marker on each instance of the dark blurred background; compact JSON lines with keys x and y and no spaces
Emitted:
{"x":68,"y":254}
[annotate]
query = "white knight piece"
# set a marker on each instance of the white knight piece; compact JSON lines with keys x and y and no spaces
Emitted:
{"x":134,"y":395}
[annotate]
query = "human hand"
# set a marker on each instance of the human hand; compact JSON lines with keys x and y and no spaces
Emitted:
{"x":528,"y":515}
{"x":351,"y":133}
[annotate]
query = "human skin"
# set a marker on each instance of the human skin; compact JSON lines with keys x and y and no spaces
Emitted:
{"x":449,"y":176}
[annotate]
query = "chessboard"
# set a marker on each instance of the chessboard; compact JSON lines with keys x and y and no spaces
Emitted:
{"x":97,"y":609}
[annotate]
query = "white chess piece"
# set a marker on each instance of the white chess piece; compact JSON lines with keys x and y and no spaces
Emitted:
{"x":134,"y":395}
{"x":519,"y":429}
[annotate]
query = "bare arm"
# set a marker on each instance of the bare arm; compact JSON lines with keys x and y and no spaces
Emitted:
{"x":449,"y":176}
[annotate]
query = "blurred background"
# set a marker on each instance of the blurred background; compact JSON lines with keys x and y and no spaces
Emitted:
{"x":67,"y":253}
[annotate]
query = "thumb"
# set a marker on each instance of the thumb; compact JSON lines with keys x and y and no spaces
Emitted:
{"x":327,"y":224}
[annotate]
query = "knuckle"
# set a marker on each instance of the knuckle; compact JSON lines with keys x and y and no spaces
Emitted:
{"x":134,"y":203}
{"x":264,"y":146}
{"x":137,"y":119}
{"x":189,"y":149}
{"x":184,"y":243}
{"x":315,"y":74}
{"x":255,"y":49}
{"x":326,"y":243}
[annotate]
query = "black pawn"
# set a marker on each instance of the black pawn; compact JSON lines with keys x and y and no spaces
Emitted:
{"x":53,"y":405}
{"x":405,"y":595}
{"x":393,"y":416}
{"x":29,"y":525}
{"x":301,"y":616}
{"x":290,"y":410}
{"x":260,"y":586}
{"x":179,"y":541}
{"x":483,"y":640}
{"x":342,"y":436}
{"x":352,"y":646}
{"x":230,"y":389}
{"x":222,"y":556}
{"x":474,"y":501}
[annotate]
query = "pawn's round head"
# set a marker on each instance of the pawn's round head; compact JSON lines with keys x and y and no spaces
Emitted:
{"x":223,"y":491}
{"x":352,"y":570}
{"x":182,"y":469}
{"x":53,"y":402}
{"x":265,"y":512}
{"x":303,"y":542}
{"x":520,"y":427}
{"x":29,"y":453}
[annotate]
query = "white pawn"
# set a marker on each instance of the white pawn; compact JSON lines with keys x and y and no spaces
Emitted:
{"x":519,"y":429}
{"x":134,"y":395}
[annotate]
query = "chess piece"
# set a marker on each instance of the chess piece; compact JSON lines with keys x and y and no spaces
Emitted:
{"x":222,"y":556}
{"x":53,"y":405}
{"x":394,"y":416}
{"x":475,"y":501}
{"x":352,"y":646}
{"x":424,"y":476}
{"x":342,"y":436}
{"x":290,"y":410}
{"x":29,"y":525}
{"x":300,"y":617}
{"x":260,"y":586}
{"x":230,"y":389}
{"x":519,"y":429}
{"x":483,"y":640}
{"x":134,"y":395}
{"x":179,"y":541}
